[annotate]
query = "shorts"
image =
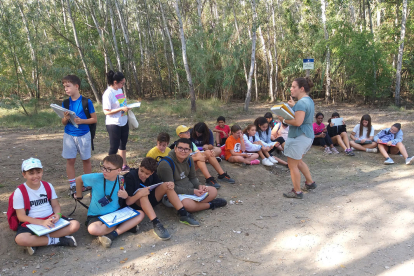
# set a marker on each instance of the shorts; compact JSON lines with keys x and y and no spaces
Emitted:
{"x":74,"y":144}
{"x":295,"y":148}
{"x":91,"y":219}
{"x":152,"y":199}
{"x":22,"y":229}
{"x":280,"y":139}
{"x":223,"y":141}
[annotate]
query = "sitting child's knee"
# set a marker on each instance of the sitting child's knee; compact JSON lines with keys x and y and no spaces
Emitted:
{"x":74,"y":226}
{"x":21,"y":240}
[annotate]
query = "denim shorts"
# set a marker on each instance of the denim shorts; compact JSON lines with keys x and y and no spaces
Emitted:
{"x":295,"y":148}
{"x":74,"y":144}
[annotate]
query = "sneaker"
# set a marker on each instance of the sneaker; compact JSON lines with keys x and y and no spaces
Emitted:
{"x":106,"y":241}
{"x":408,"y":160}
{"x":67,"y":241}
{"x":293,"y":194}
{"x":212,"y":182}
{"x":374,"y":150}
{"x":31,"y":250}
{"x":218,"y":202}
{"x":308,"y":187}
{"x":226,"y":178}
{"x":222,"y":156}
{"x":334,"y":150}
{"x":125,"y":168}
{"x":388,"y":161}
{"x":134,"y":229}
{"x":352,"y":148}
{"x":218,"y":159}
{"x":161,"y":232}
{"x":255,"y":162}
{"x":189,"y":220}
{"x":273,"y":160}
{"x":327,"y":151}
{"x":349,"y":152}
{"x":267,"y":162}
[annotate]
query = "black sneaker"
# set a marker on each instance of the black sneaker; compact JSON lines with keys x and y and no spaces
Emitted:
{"x":31,"y":250}
{"x":218,"y":202}
{"x":189,"y":220}
{"x":106,"y":241}
{"x":67,"y":241}
{"x":218,"y":159}
{"x":161,"y":232}
{"x":212,"y":182}
{"x":308,"y":187}
{"x":134,"y":229}
{"x":226,"y":178}
{"x":293,"y":194}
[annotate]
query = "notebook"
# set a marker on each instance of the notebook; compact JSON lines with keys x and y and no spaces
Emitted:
{"x":118,"y":216}
{"x":60,"y":111}
{"x":40,"y":230}
{"x":152,"y":187}
{"x":283,"y":110}
{"x":138,"y":104}
{"x":193,"y":197}
{"x":337,"y":121}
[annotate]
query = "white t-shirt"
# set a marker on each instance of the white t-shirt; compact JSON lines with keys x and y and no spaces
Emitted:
{"x":39,"y":205}
{"x":113,"y":99}
{"x":364,"y":132}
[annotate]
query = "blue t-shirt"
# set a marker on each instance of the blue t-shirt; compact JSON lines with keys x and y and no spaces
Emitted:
{"x":305,"y":104}
{"x":96,"y":182}
{"x":76,"y":106}
{"x":199,"y":140}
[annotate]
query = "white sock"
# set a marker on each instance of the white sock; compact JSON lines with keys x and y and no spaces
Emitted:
{"x":72,"y":182}
{"x":52,"y":241}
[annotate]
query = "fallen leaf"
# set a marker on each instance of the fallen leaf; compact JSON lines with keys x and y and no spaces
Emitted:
{"x":121,"y":248}
{"x":126,"y":259}
{"x":122,"y":262}
{"x":34,"y":271}
{"x":138,"y":245}
{"x":99,"y":255}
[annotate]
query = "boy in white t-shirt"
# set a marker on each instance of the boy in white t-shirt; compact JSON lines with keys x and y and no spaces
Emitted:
{"x":41,"y":212}
{"x":363,"y":141}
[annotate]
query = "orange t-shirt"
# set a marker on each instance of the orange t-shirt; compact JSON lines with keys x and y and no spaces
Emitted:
{"x":232,"y":144}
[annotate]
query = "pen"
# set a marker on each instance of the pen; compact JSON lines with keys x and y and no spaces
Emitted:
{"x":142,"y":185}
{"x":114,"y":219}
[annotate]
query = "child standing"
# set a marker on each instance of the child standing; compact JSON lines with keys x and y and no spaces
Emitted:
{"x":76,"y":139}
{"x":235,"y":149}
{"x":321,"y":135}
{"x":252,"y":145}
{"x":363,"y":135}
{"x":105,"y":196}
{"x":42,"y":211}
{"x":161,"y":149}
{"x":222,"y":131}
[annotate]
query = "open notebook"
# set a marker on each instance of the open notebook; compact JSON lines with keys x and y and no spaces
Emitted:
{"x":40,"y":230}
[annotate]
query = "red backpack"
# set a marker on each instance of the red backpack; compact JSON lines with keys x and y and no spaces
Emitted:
{"x":11,"y":212}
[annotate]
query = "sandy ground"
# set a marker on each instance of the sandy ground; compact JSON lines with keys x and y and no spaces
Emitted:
{"x":357,"y":222}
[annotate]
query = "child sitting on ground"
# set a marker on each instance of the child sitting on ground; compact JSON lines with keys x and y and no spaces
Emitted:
{"x":106,"y":191}
{"x":338,"y":134}
{"x":252,"y":145}
{"x":235,"y":149}
{"x":321,"y":135}
{"x":263,"y":133}
{"x":280,"y":133}
{"x":363,"y":135}
{"x":222,"y":131}
{"x":270,"y":121}
{"x":42,"y":211}
{"x":161,"y":149}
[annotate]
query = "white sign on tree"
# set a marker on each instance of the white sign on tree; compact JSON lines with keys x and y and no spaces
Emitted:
{"x":308,"y":63}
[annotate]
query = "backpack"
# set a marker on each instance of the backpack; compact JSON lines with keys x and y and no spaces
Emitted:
{"x":92,"y":127}
{"x":11,"y":212}
{"x":171,"y":162}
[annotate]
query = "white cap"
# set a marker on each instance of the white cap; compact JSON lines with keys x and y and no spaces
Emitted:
{"x":31,"y":163}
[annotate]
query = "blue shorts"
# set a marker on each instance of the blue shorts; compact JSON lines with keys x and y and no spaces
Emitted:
{"x":72,"y":145}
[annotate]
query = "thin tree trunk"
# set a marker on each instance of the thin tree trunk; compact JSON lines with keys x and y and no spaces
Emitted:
{"x":238,"y":39}
{"x":118,"y":57}
{"x":166,"y":60}
{"x":199,"y":11}
{"x":400,"y":56}
{"x":85,"y":67}
{"x":328,"y":54}
{"x":269,"y":76}
{"x":253,"y":57}
{"x":184,"y":50}
{"x":374,"y":67}
{"x":275,"y":49}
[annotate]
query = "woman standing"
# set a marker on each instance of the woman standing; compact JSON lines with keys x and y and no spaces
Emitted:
{"x":115,"y":108}
{"x":300,"y":136}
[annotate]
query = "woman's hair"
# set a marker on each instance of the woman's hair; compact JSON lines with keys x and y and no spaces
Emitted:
{"x":259,"y":122}
{"x":245,"y":131}
{"x":268,"y":115}
{"x":306,"y":83}
{"x":111,"y":76}
{"x":397,"y":125}
{"x":202,"y":128}
{"x":318,"y":114}
{"x":366,"y":117}
{"x":235,"y":128}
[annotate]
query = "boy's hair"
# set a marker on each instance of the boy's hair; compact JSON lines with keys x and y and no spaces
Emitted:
{"x":34,"y":169}
{"x":114,"y":159}
{"x":183,"y":140}
{"x":221,"y":118}
{"x":73,"y":79}
{"x":268,"y":115}
{"x":163,"y":137}
{"x":235,"y":128}
{"x":149,"y":163}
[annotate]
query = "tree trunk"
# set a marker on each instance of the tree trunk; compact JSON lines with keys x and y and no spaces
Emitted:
{"x":166,"y":60}
{"x":269,"y":77}
{"x":199,"y":11}
{"x":400,"y":56}
{"x":118,"y":57}
{"x":238,"y":38}
{"x":184,"y":50}
{"x":88,"y":75}
{"x":275,"y":49}
{"x":328,"y":54}
{"x":253,"y":57}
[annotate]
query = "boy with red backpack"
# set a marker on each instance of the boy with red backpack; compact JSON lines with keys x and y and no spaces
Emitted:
{"x":35,"y":202}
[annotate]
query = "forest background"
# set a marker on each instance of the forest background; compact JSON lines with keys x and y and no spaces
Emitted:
{"x":203,"y":49}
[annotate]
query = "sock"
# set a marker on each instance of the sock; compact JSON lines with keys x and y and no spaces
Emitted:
{"x":72,"y":182}
{"x":52,"y":241}
{"x":182,"y":212}
{"x":298,"y":193}
{"x":155,"y":221}
{"x":211,"y":205}
{"x":112,"y":235}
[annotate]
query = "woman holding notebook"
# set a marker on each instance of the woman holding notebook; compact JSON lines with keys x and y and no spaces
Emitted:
{"x":300,"y":136}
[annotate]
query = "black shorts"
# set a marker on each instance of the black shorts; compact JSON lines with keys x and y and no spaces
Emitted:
{"x":22,"y":229}
{"x":152,"y":199}
{"x":91,"y":219}
{"x":280,"y":139}
{"x":223,"y":141}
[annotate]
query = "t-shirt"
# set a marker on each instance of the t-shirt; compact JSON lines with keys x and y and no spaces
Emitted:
{"x":305,"y":104}
{"x":113,"y":99}
{"x":199,"y":140}
{"x":364,"y":132}
{"x":232,"y":144}
{"x":39,"y":204}
{"x":226,"y":129}
{"x":96,"y":182}
{"x":280,"y":131}
{"x":155,"y":152}
{"x":133,"y":182}
{"x":318,"y":128}
{"x":77,"y":107}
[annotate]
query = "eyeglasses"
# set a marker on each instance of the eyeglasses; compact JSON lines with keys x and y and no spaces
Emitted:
{"x":103,"y":168}
{"x":183,"y":149}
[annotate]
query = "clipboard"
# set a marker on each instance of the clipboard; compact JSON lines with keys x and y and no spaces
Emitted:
{"x":118,"y":216}
{"x":152,"y":187}
{"x":40,"y":230}
{"x":60,"y":111}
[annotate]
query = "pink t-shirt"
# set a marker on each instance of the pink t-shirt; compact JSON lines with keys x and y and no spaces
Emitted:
{"x":318,"y":128}
{"x":226,"y":129}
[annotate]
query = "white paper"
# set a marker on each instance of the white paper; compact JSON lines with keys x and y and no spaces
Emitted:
{"x":138,"y":104}
{"x":60,"y":111}
{"x":41,"y":230}
{"x":121,"y":215}
{"x":193,"y":197}
{"x":337,"y":121}
{"x":152,"y":187}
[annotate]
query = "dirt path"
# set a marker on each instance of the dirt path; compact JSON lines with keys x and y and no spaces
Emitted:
{"x":357,"y":222}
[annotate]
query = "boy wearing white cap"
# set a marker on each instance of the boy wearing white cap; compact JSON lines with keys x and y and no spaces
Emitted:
{"x":42,"y":211}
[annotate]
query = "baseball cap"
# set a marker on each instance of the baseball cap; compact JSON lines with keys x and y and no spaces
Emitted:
{"x":31,"y":163}
{"x":181,"y":128}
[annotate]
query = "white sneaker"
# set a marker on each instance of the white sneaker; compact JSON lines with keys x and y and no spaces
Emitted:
{"x":267,"y":162}
{"x":374,"y":150}
{"x":388,"y":161}
{"x":273,"y":160}
{"x":408,"y":160}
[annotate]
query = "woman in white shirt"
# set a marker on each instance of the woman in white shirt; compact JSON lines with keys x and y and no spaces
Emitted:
{"x":362,"y":136}
{"x":114,"y":104}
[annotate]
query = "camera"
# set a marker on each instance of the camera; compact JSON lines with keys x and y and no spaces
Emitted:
{"x":105,"y":200}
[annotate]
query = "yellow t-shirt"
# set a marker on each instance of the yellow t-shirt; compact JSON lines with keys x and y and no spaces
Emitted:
{"x":155,"y":152}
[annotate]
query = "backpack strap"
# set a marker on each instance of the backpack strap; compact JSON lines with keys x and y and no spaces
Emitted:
{"x":26,"y":199}
{"x":171,"y":162}
{"x":48,"y":190}
{"x":85,"y":107}
{"x":66,"y":103}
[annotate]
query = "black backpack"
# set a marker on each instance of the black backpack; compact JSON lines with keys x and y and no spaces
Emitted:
{"x":92,"y":127}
